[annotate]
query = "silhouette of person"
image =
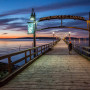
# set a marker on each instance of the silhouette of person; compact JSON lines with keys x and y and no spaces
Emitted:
{"x":70,"y":47}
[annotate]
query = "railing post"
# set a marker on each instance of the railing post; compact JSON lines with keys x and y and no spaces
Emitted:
{"x":41,"y":49}
{"x":52,"y":45}
{"x":9,"y":65}
{"x":48,"y":46}
{"x":44,"y":48}
{"x":25,"y":57}
{"x":30,"y":54}
{"x":37,"y":51}
{"x":34,"y":52}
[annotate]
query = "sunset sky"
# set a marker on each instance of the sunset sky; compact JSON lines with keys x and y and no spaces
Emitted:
{"x":14,"y":15}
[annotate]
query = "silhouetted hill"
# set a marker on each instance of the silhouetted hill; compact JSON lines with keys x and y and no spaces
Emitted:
{"x":37,"y":38}
{"x":31,"y":38}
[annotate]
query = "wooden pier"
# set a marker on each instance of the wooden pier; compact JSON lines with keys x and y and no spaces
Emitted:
{"x":55,"y":70}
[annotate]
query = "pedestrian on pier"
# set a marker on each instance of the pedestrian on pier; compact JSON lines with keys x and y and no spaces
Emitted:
{"x":70,"y":47}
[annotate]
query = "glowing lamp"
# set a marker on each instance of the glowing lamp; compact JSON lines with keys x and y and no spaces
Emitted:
{"x":53,"y":32}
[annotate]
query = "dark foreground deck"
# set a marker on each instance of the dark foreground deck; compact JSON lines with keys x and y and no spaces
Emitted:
{"x":56,"y":70}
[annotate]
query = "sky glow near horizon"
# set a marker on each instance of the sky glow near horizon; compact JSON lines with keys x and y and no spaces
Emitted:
{"x":14,"y":15}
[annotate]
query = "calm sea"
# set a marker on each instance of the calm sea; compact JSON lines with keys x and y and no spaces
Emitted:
{"x":81,"y":43}
{"x":8,"y":46}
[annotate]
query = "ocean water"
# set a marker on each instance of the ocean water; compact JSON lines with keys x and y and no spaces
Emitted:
{"x":81,"y":43}
{"x":8,"y":46}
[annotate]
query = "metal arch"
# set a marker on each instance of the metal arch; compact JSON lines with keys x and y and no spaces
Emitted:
{"x":62,"y":27}
{"x":62,"y":17}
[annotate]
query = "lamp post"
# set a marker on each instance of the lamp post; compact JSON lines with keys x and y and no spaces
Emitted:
{"x":69,"y":36}
{"x":89,"y":28}
{"x":33,"y":17}
{"x":53,"y":37}
{"x":74,"y":42}
{"x":32,"y":28}
{"x":79,"y":41}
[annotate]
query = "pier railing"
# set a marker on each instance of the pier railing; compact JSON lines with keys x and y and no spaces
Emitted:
{"x":84,"y":51}
{"x":21,"y":58}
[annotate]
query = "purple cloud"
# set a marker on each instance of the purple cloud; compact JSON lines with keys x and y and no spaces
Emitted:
{"x":5,"y":21}
{"x":4,"y":33}
{"x":48,"y":7}
{"x":20,"y":26}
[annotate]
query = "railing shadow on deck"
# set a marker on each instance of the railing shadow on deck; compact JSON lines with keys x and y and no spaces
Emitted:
{"x":84,"y":51}
{"x":17,"y":62}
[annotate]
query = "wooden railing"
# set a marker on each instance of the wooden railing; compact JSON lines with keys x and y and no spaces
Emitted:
{"x":84,"y":51}
{"x":24,"y":57}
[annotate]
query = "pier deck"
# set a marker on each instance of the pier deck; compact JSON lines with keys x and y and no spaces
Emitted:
{"x":55,"y":70}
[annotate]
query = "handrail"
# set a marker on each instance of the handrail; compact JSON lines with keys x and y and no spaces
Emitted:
{"x":38,"y":51}
{"x":81,"y":50}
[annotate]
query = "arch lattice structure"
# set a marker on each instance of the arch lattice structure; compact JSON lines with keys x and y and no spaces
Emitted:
{"x":63,"y":17}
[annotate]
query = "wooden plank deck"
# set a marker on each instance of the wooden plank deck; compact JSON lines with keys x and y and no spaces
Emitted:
{"x":56,"y":70}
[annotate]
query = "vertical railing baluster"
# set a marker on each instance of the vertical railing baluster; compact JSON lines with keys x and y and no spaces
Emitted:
{"x":9,"y":65}
{"x":30,"y":54}
{"x":25,"y":57}
{"x":44,"y":48}
{"x":48,"y":46}
{"x":41,"y":49}
{"x":37,"y":51}
{"x":51,"y":44}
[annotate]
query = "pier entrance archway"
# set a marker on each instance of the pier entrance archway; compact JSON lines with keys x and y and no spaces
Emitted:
{"x":61,"y":17}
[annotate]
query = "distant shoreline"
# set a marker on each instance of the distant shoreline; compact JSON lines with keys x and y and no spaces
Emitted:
{"x":44,"y":38}
{"x":31,"y":38}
